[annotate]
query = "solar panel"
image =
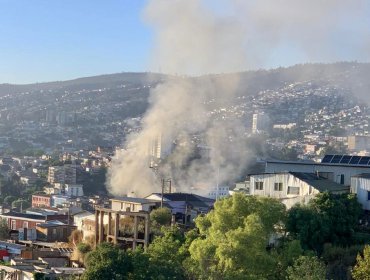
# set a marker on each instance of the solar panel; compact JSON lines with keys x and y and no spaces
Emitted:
{"x":327,"y":158}
{"x":345,"y":159}
{"x":355,"y":160}
{"x":364,"y":160}
{"x":336,"y":159}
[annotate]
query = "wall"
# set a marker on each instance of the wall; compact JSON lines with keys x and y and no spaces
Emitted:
{"x":134,"y":207}
{"x":361,"y":186}
{"x":337,"y":170}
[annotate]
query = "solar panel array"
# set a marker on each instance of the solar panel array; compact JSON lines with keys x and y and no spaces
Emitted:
{"x":346,"y":159}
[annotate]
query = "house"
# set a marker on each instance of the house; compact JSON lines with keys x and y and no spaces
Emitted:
{"x":60,"y":200}
{"x":133,"y":204}
{"x":85,"y":222}
{"x":53,"y":231}
{"x":18,"y":220}
{"x":41,"y":201}
{"x":185,"y":206}
{"x":218,"y":192}
{"x":73,"y":190}
{"x":292,"y":187}
{"x":360,"y":185}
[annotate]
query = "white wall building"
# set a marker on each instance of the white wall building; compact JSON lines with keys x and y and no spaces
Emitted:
{"x":292,"y":187}
{"x":337,"y":168}
{"x":360,"y":185}
{"x":73,"y":190}
{"x":133,"y":204}
{"x":218,"y":192}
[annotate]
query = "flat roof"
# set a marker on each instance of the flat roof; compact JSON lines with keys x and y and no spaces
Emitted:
{"x":316,"y":163}
{"x":136,"y":200}
{"x":12,"y":214}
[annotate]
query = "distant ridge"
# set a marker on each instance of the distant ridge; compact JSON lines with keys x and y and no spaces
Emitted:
{"x":352,"y":74}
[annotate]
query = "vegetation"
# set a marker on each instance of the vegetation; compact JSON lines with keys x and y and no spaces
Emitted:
{"x":361,"y":271}
{"x":161,"y":216}
{"x":4,"y":229}
{"x":328,"y":218}
{"x":307,"y":268}
{"x":246,"y":237}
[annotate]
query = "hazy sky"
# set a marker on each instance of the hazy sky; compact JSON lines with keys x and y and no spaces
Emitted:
{"x":44,"y":40}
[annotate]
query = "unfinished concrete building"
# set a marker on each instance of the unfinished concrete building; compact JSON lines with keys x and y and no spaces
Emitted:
{"x":127,"y":229}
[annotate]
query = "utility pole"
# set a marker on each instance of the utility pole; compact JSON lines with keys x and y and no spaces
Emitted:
{"x":162,"y":193}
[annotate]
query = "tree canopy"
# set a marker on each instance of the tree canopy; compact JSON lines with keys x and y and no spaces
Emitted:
{"x":361,"y":271}
{"x":328,"y":218}
{"x":234,"y":236}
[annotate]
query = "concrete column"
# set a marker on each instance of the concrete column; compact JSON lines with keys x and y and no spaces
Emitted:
{"x":146,"y":231}
{"x":101,"y":227}
{"x":97,"y":227}
{"x":135,"y":232}
{"x":109,"y":224}
{"x":116,"y":228}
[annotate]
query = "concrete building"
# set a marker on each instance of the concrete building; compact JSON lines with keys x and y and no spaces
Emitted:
{"x":65,"y":174}
{"x":218,"y":192}
{"x":360,"y":185}
{"x":358,"y":143}
{"x":41,"y":200}
{"x":337,"y":168}
{"x":73,"y":190}
{"x":260,"y":123}
{"x":54,"y":231}
{"x":133,"y":204}
{"x":292,"y":187}
{"x":115,"y":231}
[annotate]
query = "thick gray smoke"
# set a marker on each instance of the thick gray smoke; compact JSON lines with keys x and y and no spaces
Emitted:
{"x":195,"y":37}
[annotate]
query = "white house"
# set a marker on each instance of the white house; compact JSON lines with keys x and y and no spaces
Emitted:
{"x":337,"y":168}
{"x":218,"y":192}
{"x":360,"y":185}
{"x":74,"y":190}
{"x":133,"y":204}
{"x":292,"y":187}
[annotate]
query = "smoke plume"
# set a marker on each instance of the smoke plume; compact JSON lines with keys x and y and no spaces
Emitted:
{"x":200,"y":146}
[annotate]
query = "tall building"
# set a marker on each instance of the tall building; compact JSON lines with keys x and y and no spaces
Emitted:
{"x":155,"y":151}
{"x":358,"y":143}
{"x":260,"y":123}
{"x":65,"y":174}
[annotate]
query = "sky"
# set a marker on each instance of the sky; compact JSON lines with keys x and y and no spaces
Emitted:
{"x":48,"y":40}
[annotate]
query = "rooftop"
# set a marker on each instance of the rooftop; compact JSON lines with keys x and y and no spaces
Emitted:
{"x":24,"y":216}
{"x":362,"y":175}
{"x":134,"y":200}
{"x":320,"y":183}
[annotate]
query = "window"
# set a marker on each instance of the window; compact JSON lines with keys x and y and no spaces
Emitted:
{"x":368,"y":195}
{"x":14,"y":224}
{"x":258,"y":185}
{"x":293,"y":190}
{"x":278,"y":187}
{"x":342,"y":179}
{"x":25,"y":224}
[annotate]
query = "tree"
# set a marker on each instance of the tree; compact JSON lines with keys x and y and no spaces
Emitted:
{"x":307,"y":268}
{"x":234,"y":237}
{"x":83,"y":248}
{"x":21,"y":203}
{"x":161,"y":216}
{"x":339,"y":260}
{"x":4,"y":229}
{"x":328,"y":218}
{"x":361,"y":271}
{"x":107,"y":262}
{"x":9,"y":199}
{"x":166,"y":256}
